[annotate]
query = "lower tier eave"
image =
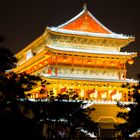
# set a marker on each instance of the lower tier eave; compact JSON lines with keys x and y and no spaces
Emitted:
{"x":89,"y":80}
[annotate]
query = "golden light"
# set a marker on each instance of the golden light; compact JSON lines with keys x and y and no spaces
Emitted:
{"x":91,"y":95}
{"x":89,"y":62}
{"x":82,"y":93}
{"x":35,"y":67}
{"x":37,"y":95}
{"x":130,"y":61}
{"x":47,"y":55}
{"x":112,"y":63}
{"x":46,"y":62}
{"x":40,"y":64}
{"x":65,"y":59}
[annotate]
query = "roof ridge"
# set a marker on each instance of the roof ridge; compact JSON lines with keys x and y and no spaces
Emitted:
{"x":86,"y":21}
{"x":72,"y":19}
{"x":99,"y":22}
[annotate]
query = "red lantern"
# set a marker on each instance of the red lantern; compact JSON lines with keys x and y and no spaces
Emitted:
{"x":130,"y":61}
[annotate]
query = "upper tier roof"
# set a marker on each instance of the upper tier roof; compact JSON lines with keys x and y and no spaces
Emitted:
{"x":85,"y":21}
{"x":86,"y":24}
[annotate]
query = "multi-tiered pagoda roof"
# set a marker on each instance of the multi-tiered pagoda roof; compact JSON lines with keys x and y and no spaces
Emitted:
{"x":84,"y":35}
{"x":85,"y":25}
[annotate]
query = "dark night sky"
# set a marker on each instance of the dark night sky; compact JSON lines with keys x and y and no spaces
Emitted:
{"x":22,"y":21}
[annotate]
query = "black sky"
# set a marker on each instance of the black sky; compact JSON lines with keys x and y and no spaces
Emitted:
{"x":22,"y":21}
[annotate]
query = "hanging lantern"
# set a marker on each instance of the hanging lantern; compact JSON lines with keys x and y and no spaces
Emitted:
{"x":130,"y":61}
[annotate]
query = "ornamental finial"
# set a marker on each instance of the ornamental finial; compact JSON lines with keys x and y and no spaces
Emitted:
{"x":85,"y":4}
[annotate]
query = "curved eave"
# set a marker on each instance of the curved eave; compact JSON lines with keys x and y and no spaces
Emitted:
{"x":91,"y":80}
{"x":30,"y":46}
{"x":96,"y":54}
{"x":113,"y":36}
{"x":30,"y":62}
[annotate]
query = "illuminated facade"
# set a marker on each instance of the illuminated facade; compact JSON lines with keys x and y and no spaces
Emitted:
{"x":82,"y":55}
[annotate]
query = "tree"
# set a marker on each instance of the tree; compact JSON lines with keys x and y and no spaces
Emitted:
{"x":22,"y":119}
{"x":7,"y":60}
{"x":66,"y":114}
{"x":15,"y":116}
{"x":132,"y":116}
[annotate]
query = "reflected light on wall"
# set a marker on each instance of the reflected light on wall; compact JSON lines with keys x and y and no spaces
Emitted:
{"x":82,"y":93}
